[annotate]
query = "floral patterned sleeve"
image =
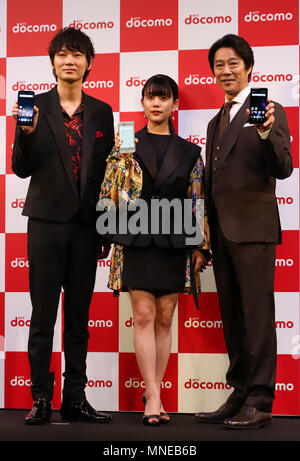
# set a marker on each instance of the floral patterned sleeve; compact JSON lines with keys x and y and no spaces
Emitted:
{"x":122,"y":179}
{"x":122,"y":182}
{"x":197,"y":194}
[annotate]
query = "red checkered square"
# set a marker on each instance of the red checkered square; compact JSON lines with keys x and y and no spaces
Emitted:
{"x":16,"y":263}
{"x":271,"y":22}
{"x":18,"y":382}
{"x":31,"y":25}
{"x":200,"y":331}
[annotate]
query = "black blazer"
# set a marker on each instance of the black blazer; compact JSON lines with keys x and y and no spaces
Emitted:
{"x":45,"y":156}
{"x":170,"y":181}
{"x":244,"y":192}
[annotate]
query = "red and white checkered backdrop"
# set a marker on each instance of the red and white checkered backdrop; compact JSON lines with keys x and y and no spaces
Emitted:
{"x":134,"y":39}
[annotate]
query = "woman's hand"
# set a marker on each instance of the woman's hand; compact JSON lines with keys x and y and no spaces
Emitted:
{"x":199,"y":261}
{"x":118,"y":143}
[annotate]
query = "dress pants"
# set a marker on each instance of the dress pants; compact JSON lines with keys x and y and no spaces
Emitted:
{"x":244,"y":274}
{"x":61,"y":255}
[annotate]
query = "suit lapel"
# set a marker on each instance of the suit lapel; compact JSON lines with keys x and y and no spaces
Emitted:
{"x":146,"y":152}
{"x":56,"y":122}
{"x":171,"y":159}
{"x":209,"y":141}
{"x":89,"y":137}
{"x":231,"y":134}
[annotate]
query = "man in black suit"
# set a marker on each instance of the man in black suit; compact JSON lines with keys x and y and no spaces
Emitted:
{"x":242,"y":162}
{"x":65,"y":153}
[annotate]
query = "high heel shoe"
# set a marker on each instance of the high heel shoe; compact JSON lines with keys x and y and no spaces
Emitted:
{"x":164,"y":418}
{"x":147,"y":422}
{"x":146,"y":418}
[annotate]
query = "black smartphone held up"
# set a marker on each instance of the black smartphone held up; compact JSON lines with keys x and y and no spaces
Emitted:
{"x":25,"y":103}
{"x":126,"y":133}
{"x":258,"y":104}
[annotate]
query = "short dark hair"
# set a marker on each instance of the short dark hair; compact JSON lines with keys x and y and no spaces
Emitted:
{"x":161,"y":85}
{"x":74,"y":40}
{"x":240,"y":46}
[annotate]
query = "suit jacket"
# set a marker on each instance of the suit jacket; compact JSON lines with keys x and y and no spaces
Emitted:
{"x":244,"y":182}
{"x":170,"y":181}
{"x":45,"y":155}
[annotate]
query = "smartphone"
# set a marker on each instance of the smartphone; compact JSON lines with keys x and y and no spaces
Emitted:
{"x":126,"y":134}
{"x":258,"y":104}
{"x":25,"y":103}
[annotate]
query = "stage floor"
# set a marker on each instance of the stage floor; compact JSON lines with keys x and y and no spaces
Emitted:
{"x":127,"y":430}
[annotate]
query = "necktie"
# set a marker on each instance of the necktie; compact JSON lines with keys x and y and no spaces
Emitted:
{"x":225,"y":119}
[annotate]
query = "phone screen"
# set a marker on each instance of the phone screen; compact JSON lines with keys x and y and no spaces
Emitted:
{"x":126,"y":134}
{"x":258,"y":104}
{"x":25,"y":103}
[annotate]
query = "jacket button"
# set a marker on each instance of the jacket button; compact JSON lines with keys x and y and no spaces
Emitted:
{"x":216,"y":158}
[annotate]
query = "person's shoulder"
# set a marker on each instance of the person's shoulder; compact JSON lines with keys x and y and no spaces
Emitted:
{"x":97,"y":102}
{"x":192,"y":147}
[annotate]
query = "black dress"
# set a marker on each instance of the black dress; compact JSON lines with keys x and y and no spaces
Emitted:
{"x":151,"y":268}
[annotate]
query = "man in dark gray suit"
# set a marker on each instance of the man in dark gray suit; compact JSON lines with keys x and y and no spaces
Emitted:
{"x":242,"y":162}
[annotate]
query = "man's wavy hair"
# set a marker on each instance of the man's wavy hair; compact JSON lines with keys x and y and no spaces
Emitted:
{"x":73,"y":40}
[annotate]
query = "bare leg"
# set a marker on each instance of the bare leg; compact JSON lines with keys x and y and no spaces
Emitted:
{"x":165,"y":307}
{"x":144,"y":311}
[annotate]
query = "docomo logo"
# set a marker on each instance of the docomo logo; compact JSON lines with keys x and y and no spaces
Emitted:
{"x":104,"y":262}
{"x":196,"y":383}
{"x":271,"y":78}
{"x":196,"y":19}
{"x":196,"y":79}
{"x":19,"y":262}
{"x":79,"y":24}
{"x":196,"y":139}
{"x":135,"y":81}
{"x":283,"y":324}
{"x":255,"y":16}
{"x":138,"y":22}
{"x":284,"y":262}
{"x":99,"y":84}
{"x":22,"y":27}
{"x":136,"y":383}
{"x":99,"y":383}
{"x":20,"y":322}
{"x":20,"y":381}
{"x":285,"y":201}
{"x":284,"y":387}
{"x":196,"y":323}
{"x":23,"y":86}
{"x":18,"y":203}
{"x":129,"y":323}
{"x":100,"y":323}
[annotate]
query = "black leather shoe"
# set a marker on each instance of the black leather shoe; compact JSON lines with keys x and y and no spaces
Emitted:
{"x":75,"y":410}
{"x":249,"y":418}
{"x":226,"y":410}
{"x":40,"y":412}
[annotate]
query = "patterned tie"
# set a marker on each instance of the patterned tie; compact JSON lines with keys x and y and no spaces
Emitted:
{"x":225,"y":119}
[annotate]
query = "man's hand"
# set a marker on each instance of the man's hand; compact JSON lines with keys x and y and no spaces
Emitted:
{"x":103,"y":249}
{"x":199,"y":261}
{"x":270,"y":111}
{"x":26,"y":129}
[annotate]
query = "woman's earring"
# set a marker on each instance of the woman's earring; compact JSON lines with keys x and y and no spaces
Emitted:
{"x":173,"y":116}
{"x":145,"y":115}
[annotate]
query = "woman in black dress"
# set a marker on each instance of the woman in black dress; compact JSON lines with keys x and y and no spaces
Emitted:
{"x":154,"y":268}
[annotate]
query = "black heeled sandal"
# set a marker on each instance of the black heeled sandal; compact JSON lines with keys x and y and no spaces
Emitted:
{"x":163,"y":414}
